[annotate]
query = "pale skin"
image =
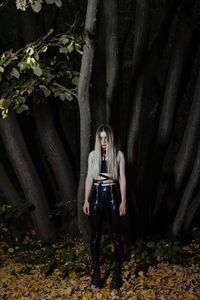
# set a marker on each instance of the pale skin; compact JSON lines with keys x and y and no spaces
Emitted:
{"x":122,"y":178}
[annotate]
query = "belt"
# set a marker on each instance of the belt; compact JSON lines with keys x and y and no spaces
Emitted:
{"x":105,"y":184}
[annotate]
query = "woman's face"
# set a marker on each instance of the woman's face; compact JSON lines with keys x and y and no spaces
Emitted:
{"x":103,"y":140}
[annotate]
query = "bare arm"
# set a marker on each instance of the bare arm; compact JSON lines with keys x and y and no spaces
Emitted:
{"x":88,"y":186}
{"x":122,"y":182}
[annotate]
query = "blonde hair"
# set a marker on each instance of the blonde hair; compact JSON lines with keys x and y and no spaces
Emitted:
{"x":110,"y":153}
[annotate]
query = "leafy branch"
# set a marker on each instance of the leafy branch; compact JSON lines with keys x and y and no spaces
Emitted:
{"x":36,"y":5}
{"x":48,"y":66}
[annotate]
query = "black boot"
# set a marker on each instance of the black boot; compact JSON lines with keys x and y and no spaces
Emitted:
{"x":116,"y":282}
{"x":96,"y":278}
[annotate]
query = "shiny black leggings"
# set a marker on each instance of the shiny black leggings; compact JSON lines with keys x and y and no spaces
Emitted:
{"x":105,"y":202}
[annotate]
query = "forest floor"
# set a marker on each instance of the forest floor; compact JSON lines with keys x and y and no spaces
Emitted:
{"x":159,"y":270}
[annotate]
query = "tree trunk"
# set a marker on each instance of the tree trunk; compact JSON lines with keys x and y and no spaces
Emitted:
{"x":189,"y":141}
{"x":153,"y":60}
{"x":56,"y":155}
{"x":28,"y":26}
{"x":137,"y":78}
{"x":187,"y":195}
{"x":192,"y":211}
{"x":69,"y":119}
{"x":169,"y":105}
{"x":84,"y":103}
{"x":8,"y":189}
{"x":136,"y":93}
{"x":49,"y":15}
{"x":112,"y":59}
{"x":182,"y":42}
{"x":98,"y":91}
{"x":27,"y":176}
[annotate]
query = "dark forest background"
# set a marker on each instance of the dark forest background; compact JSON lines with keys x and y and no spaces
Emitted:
{"x":139,"y":72}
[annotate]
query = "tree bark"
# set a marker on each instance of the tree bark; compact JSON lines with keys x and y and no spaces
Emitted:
{"x":189,"y":141}
{"x":187,"y":195}
{"x":8,"y":189}
{"x":137,"y":78}
{"x":192,"y":211}
{"x":112,"y":53}
{"x":169,"y":105}
{"x":179,"y":53}
{"x":84,"y":103}
{"x":28,"y":26}
{"x":69,"y":119}
{"x":98,"y":91}
{"x":56,"y":155}
{"x":152,"y":63}
{"x":27,"y":176}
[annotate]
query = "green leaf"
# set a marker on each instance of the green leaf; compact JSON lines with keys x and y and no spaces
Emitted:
{"x":7,"y":103}
{"x":55,"y":92}
{"x":44,"y":49}
{"x":71,"y":47}
{"x":36,"y":6}
{"x":58,"y":3}
{"x":45,"y":90}
{"x":15,"y":73}
{"x":36,"y":56}
{"x":75,"y":80}
{"x":1,"y":69}
{"x":21,"y":99}
{"x":64,"y":50}
{"x":22,"y":108}
{"x":37,"y":71}
{"x":30,"y":51}
{"x":19,"y":110}
{"x":64,"y":40}
{"x":62,"y":97}
{"x":23,"y":65}
{"x":25,"y":107}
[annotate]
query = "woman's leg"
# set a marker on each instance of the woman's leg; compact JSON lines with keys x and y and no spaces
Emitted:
{"x":115,"y":227}
{"x":115,"y":224}
{"x":96,"y":224}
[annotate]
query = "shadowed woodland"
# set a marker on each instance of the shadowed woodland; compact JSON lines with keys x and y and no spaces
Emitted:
{"x":139,"y":73}
{"x":68,"y":66}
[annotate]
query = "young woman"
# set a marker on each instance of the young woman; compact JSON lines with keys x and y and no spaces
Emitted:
{"x":105,"y":194}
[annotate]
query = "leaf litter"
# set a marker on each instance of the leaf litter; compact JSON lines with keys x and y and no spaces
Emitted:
{"x":30,"y":269}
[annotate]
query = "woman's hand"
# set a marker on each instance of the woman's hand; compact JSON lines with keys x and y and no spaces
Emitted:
{"x":86,"y":207}
{"x":122,"y":209}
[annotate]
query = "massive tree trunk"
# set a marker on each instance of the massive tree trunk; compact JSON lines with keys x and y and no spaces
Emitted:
{"x":179,"y":53}
{"x":137,"y":78}
{"x":187,"y":195}
{"x":136,"y":94}
{"x":27,"y":176}
{"x":84,"y":102}
{"x":69,"y":120}
{"x":98,"y":91}
{"x":56,"y":155}
{"x":152,"y":63}
{"x":189,"y":141}
{"x":112,"y":59}
{"x":169,"y":104}
{"x":8,"y":189}
{"x":168,"y":110}
{"x":28,"y":26}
